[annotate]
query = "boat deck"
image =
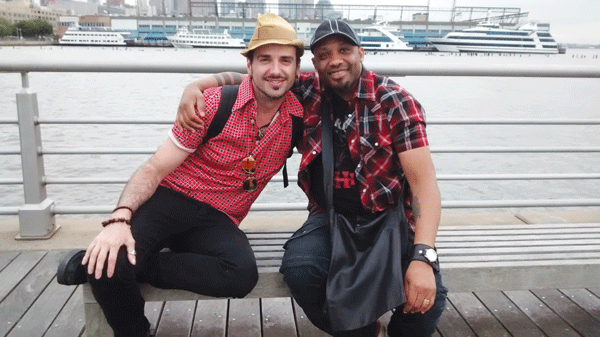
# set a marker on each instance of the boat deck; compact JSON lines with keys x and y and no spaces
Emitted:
{"x":33,"y":304}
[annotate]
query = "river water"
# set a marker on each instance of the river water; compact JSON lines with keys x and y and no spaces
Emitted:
{"x":149,"y":96}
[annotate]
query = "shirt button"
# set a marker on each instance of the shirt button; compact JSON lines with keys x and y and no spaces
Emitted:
{"x":314,"y":152}
{"x":349,"y":115}
{"x":365,"y":190}
{"x":376,"y":144}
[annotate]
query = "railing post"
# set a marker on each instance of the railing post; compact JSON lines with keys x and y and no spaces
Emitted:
{"x":36,"y":216}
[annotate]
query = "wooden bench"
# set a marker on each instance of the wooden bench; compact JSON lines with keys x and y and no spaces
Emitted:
{"x":473,"y":258}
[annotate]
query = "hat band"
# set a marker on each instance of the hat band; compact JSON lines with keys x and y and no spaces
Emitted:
{"x":271,"y":33}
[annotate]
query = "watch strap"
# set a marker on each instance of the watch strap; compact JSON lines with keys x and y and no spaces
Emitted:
{"x":416,"y":255}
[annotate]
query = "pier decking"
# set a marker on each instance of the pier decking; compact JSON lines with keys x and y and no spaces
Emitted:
{"x":33,"y":304}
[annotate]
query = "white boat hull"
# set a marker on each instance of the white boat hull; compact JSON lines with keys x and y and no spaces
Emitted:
{"x":202,"y":38}
{"x":440,"y":45}
{"x":491,"y":38}
{"x":95,"y":44}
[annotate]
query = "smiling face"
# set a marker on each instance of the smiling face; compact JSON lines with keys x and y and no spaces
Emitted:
{"x":339,"y":64}
{"x":273,"y":69}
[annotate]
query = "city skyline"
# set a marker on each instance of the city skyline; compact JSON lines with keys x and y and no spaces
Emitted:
{"x":574,"y":21}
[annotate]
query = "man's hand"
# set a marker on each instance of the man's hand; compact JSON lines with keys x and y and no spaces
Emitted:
{"x":419,"y":287}
{"x":107,"y":245}
{"x":192,"y":101}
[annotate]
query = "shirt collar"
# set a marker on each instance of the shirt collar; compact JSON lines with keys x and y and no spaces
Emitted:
{"x":366,"y":87}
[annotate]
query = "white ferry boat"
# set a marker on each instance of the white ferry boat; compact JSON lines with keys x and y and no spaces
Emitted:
{"x":79,"y":36}
{"x":204,"y":38}
{"x":381,"y":37}
{"x":491,"y":38}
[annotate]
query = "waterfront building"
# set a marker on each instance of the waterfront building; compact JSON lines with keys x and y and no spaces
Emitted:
{"x":23,"y":10}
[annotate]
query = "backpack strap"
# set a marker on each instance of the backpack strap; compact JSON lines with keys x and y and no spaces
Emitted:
{"x":297,"y":130}
{"x":228,"y":97}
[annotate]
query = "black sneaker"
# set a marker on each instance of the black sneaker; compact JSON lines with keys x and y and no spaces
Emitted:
{"x":70,"y":270}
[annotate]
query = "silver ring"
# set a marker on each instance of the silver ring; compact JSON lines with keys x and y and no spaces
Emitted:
{"x":426,"y":301}
{"x":132,"y":252}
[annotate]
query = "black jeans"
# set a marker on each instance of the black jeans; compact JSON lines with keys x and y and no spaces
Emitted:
{"x":305,"y":267}
{"x":209,"y":255}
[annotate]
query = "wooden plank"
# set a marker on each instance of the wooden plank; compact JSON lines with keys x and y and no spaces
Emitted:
{"x":586,"y":300}
{"x":472,"y":239}
{"x":595,"y":291}
{"x":519,"y":226}
{"x":550,"y":323}
{"x":268,"y":242}
{"x":517,"y":250}
{"x":46,"y":307}
{"x":520,"y":229}
{"x":70,"y":321}
{"x":452,"y":324}
{"x":305,"y":327}
{"x":278,"y":317}
{"x":269,"y":255}
{"x":244,"y":318}
{"x":95,"y":321}
{"x":580,"y":320}
{"x":513,"y":319}
{"x":512,"y":276}
{"x":518,"y":242}
{"x":6,"y":258}
{"x":153,"y":311}
{"x":476,"y":315}
{"x":520,"y":257}
{"x":12,"y":274}
{"x":176,"y":319}
{"x":210,"y":318}
{"x":29,"y":285}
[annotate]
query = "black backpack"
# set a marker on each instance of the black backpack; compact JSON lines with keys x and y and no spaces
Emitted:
{"x":228,"y":97}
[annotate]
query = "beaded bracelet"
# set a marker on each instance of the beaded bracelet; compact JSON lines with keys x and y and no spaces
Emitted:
{"x":123,"y":207}
{"x":111,"y":221}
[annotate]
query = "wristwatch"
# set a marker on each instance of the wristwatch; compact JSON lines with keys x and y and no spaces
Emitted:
{"x":426,"y":254}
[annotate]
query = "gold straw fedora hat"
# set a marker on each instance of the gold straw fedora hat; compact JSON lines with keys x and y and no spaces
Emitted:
{"x":270,"y":28}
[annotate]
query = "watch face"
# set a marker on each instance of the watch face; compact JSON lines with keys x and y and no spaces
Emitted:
{"x":430,"y":255}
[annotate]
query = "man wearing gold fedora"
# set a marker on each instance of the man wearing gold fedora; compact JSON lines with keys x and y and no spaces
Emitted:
{"x":193,"y":193}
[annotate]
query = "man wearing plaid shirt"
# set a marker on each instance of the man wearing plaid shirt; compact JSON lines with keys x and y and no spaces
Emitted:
{"x":381,"y":154}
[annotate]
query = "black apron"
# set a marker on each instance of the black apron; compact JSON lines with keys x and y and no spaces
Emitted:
{"x":365,"y":273}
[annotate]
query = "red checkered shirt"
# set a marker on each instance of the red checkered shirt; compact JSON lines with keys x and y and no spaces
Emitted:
{"x":388,"y":121}
{"x":212,"y":173}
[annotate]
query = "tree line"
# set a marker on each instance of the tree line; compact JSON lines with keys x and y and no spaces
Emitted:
{"x":28,"y":28}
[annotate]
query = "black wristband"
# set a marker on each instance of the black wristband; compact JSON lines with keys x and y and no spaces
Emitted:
{"x":419,"y":252}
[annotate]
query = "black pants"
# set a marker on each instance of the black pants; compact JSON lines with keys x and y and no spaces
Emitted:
{"x":209,"y":255}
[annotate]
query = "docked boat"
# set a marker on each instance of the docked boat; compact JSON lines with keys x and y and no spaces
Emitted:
{"x":491,"y":38}
{"x":382,"y":38}
{"x":204,"y":38}
{"x":80,"y":36}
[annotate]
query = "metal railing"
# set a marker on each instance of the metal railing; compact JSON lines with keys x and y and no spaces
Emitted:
{"x":36,"y":215}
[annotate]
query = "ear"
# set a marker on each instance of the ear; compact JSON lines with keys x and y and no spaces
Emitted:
{"x":361,"y":53}
{"x":249,"y":65}
{"x":298,"y":68}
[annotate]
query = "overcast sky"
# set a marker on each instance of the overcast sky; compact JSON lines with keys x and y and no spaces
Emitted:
{"x":570,"y":20}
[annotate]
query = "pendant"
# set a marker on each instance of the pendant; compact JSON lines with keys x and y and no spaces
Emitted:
{"x":259,"y":136}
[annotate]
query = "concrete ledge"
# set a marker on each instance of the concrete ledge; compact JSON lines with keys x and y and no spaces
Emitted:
{"x":78,"y":233}
{"x":559,"y":217}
